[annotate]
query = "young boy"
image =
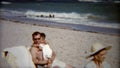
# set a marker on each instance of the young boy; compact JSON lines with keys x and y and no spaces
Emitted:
{"x":47,"y":51}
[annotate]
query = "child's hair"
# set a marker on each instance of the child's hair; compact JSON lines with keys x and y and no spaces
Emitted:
{"x":43,"y":35}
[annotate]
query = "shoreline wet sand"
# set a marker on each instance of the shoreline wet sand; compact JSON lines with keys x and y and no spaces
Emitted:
{"x":71,"y":46}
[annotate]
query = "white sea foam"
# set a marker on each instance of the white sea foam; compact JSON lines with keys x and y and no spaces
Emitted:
{"x":5,"y":2}
{"x":74,"y":18}
{"x":11,"y":12}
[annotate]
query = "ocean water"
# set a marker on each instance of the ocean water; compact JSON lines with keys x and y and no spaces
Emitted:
{"x":92,"y":14}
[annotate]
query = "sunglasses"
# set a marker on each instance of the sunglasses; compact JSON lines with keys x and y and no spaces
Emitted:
{"x":36,"y":39}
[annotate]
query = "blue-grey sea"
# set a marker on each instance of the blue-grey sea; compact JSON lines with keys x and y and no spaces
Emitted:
{"x":101,"y":14}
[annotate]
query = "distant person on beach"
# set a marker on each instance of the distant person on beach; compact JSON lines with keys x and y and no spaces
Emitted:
{"x":37,"y":55}
{"x":98,"y":56}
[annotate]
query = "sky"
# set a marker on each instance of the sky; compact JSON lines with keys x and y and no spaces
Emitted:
{"x":62,"y":0}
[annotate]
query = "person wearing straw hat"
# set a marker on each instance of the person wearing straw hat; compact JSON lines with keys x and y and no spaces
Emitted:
{"x":98,"y":52}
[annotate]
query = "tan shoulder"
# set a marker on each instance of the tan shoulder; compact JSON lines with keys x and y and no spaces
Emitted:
{"x":33,"y":48}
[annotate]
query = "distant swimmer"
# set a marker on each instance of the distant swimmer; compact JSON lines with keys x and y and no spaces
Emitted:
{"x":51,"y":16}
{"x":41,"y":16}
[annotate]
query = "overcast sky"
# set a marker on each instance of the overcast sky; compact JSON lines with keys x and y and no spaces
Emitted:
{"x":61,"y":0}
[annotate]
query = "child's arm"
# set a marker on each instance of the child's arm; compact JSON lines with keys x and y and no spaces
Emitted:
{"x":40,"y":48}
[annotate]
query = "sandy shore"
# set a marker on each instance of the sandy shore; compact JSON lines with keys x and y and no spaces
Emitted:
{"x":70,"y":46}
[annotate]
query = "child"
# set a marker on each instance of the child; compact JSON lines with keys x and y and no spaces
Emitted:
{"x":47,"y":51}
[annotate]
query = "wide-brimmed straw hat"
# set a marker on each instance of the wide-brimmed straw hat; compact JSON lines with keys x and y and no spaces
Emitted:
{"x":96,"y":48}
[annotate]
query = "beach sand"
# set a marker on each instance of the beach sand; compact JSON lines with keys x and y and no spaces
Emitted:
{"x":70,"y":46}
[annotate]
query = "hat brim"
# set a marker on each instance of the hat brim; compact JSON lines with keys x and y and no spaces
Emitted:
{"x":94,"y":53}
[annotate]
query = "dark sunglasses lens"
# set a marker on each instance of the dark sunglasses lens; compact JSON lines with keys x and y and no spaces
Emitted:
{"x":37,"y":39}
